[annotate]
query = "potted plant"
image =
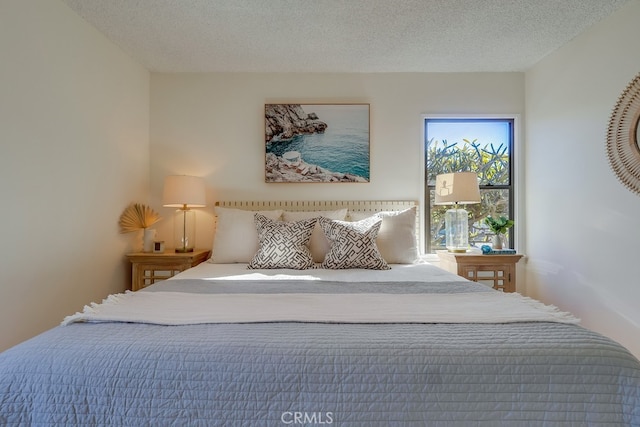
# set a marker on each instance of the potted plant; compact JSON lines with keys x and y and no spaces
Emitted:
{"x":499,"y":226}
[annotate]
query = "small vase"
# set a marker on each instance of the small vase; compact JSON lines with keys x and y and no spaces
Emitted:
{"x":497,"y":241}
{"x":148,"y":238}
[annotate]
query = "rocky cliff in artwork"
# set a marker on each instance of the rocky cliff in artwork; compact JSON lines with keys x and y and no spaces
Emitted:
{"x":284,"y":121}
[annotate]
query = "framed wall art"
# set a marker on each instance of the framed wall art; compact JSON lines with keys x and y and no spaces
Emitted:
{"x":317,"y":143}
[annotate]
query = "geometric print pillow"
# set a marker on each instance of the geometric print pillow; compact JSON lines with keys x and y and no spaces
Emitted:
{"x":397,"y":236}
{"x":353,"y":244}
{"x":318,"y":245}
{"x":283,"y":244}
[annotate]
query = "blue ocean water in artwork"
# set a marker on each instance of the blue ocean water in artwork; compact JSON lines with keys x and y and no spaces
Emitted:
{"x":343,"y":147}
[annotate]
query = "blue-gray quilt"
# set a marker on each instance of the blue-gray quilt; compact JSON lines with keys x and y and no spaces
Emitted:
{"x":279,"y":374}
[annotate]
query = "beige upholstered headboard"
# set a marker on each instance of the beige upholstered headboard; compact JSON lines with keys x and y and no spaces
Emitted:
{"x":372,"y":206}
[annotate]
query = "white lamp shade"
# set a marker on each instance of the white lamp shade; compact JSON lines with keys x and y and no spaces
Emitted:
{"x":457,"y":188}
{"x":181,"y":190}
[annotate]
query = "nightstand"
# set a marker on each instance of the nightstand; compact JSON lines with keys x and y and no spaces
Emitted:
{"x":148,"y":267}
{"x":497,"y":271}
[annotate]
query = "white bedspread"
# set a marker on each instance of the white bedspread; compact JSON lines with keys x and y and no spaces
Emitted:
{"x":420,"y":271}
{"x":177,"y":308}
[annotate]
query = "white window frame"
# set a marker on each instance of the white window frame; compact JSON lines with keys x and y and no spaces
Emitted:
{"x":518,"y":177}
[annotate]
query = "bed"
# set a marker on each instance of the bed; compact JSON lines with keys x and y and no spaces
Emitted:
{"x":244,"y":339}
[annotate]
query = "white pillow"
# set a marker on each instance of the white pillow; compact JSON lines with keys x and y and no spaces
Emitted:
{"x":397,"y":236}
{"x":319,"y":245}
{"x":283,"y":244}
{"x":236,"y":238}
{"x":353,"y":244}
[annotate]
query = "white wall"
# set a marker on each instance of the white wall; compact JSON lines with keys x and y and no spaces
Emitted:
{"x":212,"y":125}
{"x":74,"y":118}
{"x":582,"y":224}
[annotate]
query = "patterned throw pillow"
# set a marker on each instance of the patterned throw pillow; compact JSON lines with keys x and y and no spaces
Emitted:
{"x":283,"y":244}
{"x":353,"y":244}
{"x":396,"y":239}
{"x":318,"y":245}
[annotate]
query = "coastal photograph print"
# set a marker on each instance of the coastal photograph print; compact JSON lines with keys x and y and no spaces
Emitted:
{"x":317,"y":143}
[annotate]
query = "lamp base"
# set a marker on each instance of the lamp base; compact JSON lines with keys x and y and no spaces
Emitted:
{"x":184,"y":230}
{"x":457,"y":230}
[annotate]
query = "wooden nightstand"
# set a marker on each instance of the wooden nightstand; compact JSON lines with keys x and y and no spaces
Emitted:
{"x":497,"y":271}
{"x":148,"y":268}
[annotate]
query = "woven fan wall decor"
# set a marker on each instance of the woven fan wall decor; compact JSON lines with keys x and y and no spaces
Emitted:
{"x":622,"y":137}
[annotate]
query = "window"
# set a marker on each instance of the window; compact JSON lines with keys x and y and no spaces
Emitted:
{"x":484,"y":146}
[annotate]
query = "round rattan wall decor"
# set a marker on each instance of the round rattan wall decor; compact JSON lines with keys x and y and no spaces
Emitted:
{"x":623,"y":136}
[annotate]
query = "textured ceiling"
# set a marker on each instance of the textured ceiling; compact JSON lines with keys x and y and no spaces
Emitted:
{"x":341,"y":35}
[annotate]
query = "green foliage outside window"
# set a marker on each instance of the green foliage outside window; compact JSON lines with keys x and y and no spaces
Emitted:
{"x":491,"y":163}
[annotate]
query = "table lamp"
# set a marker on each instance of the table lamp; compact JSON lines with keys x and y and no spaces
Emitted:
{"x":184,"y":192}
{"x":459,"y":188}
